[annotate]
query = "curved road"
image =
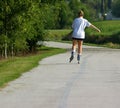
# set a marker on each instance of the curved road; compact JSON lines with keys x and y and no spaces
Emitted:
{"x":55,"y":83}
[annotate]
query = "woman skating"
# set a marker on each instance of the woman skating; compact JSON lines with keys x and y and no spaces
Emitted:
{"x":78,"y":35}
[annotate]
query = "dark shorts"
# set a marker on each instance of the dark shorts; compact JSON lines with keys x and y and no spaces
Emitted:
{"x":77,"y":39}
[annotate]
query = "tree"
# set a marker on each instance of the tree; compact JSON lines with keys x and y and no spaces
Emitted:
{"x":116,"y":8}
{"x":76,"y":5}
{"x":64,"y":15}
{"x":110,"y":4}
{"x":11,"y":12}
{"x":58,"y":12}
{"x":20,"y":22}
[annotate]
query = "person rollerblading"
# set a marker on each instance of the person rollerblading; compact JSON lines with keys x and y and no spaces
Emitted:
{"x":78,"y":34}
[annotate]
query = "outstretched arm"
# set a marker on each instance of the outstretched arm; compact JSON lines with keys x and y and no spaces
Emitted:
{"x":94,"y":27}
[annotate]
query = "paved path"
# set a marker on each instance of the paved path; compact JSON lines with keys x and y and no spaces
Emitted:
{"x":55,"y":83}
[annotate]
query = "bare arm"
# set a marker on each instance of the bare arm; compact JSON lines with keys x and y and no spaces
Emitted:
{"x":94,"y":27}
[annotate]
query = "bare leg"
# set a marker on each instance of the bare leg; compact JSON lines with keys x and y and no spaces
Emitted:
{"x":80,"y":42}
{"x":74,"y":43}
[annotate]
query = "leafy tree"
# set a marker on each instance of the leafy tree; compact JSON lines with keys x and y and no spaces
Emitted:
{"x":64,"y":15}
{"x":49,"y":1}
{"x":77,"y":5}
{"x":49,"y":15}
{"x":58,"y":13}
{"x":116,"y":8}
{"x":110,"y":4}
{"x":20,"y":21}
{"x":7,"y":17}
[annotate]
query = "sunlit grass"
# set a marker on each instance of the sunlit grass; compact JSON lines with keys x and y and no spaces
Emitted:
{"x":13,"y":68}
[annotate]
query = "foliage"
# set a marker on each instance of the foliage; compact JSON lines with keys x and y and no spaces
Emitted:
{"x":116,"y":8}
{"x":64,"y":12}
{"x":23,"y":22}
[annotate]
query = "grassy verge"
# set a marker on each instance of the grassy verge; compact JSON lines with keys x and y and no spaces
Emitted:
{"x":108,"y":45}
{"x":109,"y":36}
{"x":13,"y":68}
{"x":56,"y":35}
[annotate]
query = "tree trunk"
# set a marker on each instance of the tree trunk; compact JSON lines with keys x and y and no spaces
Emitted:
{"x":12,"y":52}
{"x":5,"y":50}
{"x":5,"y":28}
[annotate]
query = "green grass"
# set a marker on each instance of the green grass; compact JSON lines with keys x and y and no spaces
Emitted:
{"x":56,"y":35}
{"x":109,"y":36}
{"x":13,"y":68}
{"x":107,"y":27}
{"x":108,"y":45}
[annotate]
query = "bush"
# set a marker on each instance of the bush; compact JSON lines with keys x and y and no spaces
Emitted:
{"x":115,"y":38}
{"x":103,"y":38}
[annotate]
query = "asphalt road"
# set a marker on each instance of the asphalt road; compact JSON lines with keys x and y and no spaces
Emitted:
{"x":56,"y":83}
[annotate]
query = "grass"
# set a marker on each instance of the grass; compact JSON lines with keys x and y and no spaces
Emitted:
{"x":13,"y":68}
{"x":107,"y":27}
{"x":56,"y":34}
{"x":108,"y":45}
{"x":109,"y":36}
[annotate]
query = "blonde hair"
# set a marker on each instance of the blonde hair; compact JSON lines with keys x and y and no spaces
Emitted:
{"x":80,"y":13}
